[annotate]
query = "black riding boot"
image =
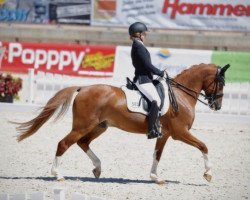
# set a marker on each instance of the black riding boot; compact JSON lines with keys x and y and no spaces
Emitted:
{"x":153,"y":124}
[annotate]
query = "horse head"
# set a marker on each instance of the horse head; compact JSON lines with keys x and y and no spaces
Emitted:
{"x":214,"y":90}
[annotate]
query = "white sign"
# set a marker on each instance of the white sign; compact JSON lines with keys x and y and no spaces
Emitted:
{"x":176,"y":14}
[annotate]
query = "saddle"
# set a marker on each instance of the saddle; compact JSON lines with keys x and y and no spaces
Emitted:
{"x":137,"y":102}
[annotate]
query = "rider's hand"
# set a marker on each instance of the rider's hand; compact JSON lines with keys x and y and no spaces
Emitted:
{"x":161,"y":74}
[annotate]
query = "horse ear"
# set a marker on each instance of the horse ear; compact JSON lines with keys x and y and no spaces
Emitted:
{"x":224,"y":69}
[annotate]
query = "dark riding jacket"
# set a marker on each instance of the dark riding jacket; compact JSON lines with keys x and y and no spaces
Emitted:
{"x":144,"y":70}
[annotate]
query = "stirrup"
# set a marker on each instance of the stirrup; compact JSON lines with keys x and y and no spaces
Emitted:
{"x":158,"y":126}
{"x":154,"y":133}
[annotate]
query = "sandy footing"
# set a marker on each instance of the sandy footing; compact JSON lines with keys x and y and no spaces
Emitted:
{"x":126,"y":163}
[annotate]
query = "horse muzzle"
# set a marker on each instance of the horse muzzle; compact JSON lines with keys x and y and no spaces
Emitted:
{"x":215,"y":105}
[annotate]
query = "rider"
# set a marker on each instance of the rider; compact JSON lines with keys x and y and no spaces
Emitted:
{"x":144,"y":71}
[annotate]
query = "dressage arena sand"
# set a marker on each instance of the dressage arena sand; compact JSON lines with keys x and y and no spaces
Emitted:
{"x":126,"y":162}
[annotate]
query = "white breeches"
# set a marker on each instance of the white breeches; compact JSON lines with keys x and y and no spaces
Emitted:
{"x":149,"y":90}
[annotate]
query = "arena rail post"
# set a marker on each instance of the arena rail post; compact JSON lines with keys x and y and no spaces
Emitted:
{"x":4,"y":196}
{"x":59,"y":194}
{"x":31,"y":80}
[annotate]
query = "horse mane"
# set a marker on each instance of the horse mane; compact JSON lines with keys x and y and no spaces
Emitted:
{"x":184,"y":71}
{"x":190,"y":69}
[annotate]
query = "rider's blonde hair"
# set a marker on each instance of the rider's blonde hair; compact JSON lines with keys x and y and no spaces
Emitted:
{"x":136,"y":35}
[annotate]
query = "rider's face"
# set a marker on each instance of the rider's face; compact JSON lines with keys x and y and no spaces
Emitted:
{"x":143,"y":36}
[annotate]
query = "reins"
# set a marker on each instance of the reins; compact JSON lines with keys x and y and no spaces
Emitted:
{"x":211,"y":99}
{"x":187,"y":90}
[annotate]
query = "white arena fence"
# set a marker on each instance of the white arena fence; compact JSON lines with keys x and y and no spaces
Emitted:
{"x":58,"y":194}
{"x":43,"y":86}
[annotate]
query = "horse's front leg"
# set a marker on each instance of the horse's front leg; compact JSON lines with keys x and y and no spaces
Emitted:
{"x":187,"y":137}
{"x":208,"y":174}
{"x":160,"y":143}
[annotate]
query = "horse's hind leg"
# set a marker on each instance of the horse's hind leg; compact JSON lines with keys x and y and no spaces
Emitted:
{"x":84,"y":144}
{"x":63,"y":145}
{"x":188,"y":138}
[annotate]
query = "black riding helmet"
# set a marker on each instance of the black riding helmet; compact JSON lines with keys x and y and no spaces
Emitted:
{"x":137,"y":27}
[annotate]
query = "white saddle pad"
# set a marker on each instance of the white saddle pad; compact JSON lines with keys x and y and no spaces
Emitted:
{"x":133,"y":101}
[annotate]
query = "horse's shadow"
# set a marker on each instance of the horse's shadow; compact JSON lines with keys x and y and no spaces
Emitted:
{"x":97,"y":180}
{"x":86,"y":179}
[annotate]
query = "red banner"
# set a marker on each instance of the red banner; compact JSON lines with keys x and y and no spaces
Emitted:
{"x":68,"y":59}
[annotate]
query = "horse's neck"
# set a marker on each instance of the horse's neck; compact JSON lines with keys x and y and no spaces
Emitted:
{"x":192,"y":79}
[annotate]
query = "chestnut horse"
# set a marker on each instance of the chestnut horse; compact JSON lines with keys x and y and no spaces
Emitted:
{"x":97,"y":107}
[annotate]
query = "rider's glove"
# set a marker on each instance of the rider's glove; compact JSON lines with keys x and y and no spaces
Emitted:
{"x":161,"y":74}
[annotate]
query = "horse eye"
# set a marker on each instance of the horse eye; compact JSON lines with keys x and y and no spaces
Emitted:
{"x":221,"y":85}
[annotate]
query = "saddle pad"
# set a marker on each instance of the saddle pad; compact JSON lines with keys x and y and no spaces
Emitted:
{"x":134,"y":102}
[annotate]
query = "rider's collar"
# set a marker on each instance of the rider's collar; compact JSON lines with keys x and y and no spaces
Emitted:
{"x":137,"y":39}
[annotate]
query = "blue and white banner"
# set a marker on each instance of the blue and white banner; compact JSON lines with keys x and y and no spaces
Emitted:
{"x":46,"y":11}
{"x":28,"y":11}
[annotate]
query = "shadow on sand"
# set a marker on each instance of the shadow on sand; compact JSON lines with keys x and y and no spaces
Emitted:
{"x":90,"y":179}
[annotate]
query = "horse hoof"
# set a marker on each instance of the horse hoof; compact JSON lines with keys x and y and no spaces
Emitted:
{"x":157,"y":180}
{"x":61,"y":179}
{"x":160,"y":182}
{"x":208,"y":177}
{"x":96,"y":172}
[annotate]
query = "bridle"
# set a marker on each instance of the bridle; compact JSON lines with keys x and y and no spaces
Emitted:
{"x":219,"y":79}
{"x":215,"y":95}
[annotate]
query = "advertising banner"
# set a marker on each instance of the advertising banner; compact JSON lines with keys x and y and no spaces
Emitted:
{"x":76,"y":60}
{"x":46,"y":11}
{"x":28,"y":11}
{"x":175,"y":14}
{"x":70,"y":12}
{"x":113,"y":61}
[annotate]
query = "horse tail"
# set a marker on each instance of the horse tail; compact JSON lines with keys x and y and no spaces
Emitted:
{"x":61,"y":99}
